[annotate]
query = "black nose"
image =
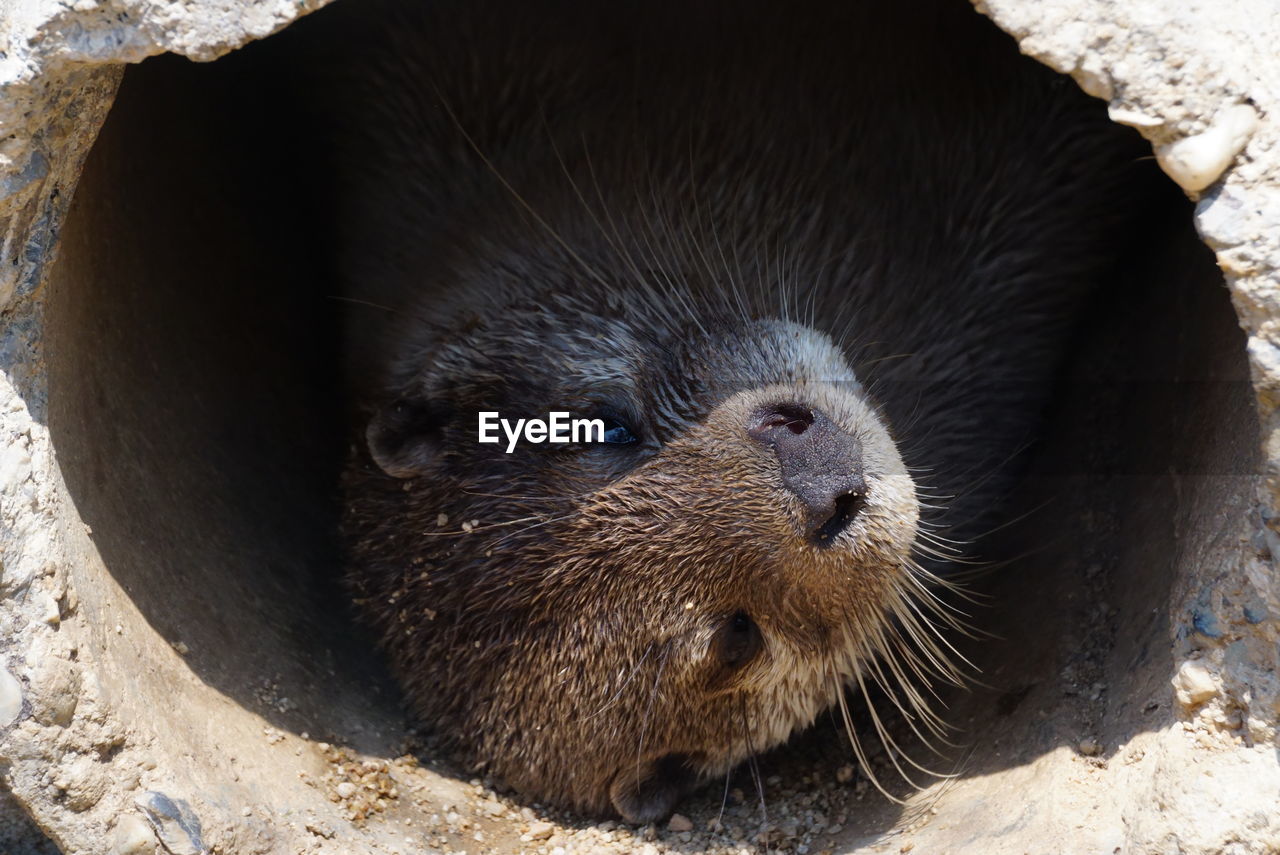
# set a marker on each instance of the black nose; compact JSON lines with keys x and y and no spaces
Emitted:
{"x":821,"y":464}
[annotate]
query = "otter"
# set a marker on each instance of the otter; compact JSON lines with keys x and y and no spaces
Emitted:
{"x":810,"y":267}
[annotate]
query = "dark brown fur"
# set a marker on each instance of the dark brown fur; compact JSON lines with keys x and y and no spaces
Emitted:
{"x":677,"y":215}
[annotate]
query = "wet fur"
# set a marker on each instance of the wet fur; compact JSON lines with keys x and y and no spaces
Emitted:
{"x":687,"y":210}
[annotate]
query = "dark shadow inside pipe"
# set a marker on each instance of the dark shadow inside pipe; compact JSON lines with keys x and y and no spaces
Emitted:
{"x":194,"y":354}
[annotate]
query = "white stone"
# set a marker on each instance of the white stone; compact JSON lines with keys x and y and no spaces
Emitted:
{"x":1194,"y":683}
{"x":50,"y":612}
{"x":1197,"y":161}
{"x":84,"y":782}
{"x":132,"y":836}
{"x":10,"y":698}
{"x":540,"y":830}
{"x":1133,"y":118}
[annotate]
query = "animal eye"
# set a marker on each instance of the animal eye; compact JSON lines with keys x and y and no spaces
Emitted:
{"x":616,"y":433}
{"x":738,"y":640}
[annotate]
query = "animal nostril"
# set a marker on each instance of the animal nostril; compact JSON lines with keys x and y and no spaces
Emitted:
{"x":819,"y":462}
{"x":793,"y":417}
{"x":797,"y":426}
{"x":847,"y":507}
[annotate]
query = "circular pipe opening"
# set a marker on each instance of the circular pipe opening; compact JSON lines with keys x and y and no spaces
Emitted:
{"x":197,"y":406}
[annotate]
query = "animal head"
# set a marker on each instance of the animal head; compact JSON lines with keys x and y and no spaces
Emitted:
{"x":602,"y":624}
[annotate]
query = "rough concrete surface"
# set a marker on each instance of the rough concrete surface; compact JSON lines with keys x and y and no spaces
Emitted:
{"x":115,"y":744}
{"x":1181,"y":73}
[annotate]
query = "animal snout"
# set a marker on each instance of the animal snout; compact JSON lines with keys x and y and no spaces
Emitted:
{"x":820,"y":463}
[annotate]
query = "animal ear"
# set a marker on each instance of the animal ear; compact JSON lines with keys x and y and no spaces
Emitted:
{"x":404,"y":437}
{"x":650,"y":791}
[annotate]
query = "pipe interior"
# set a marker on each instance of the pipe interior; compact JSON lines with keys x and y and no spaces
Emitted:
{"x":196,"y":408}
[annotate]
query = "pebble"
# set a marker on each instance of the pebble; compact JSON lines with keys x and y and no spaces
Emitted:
{"x":52,"y":614}
{"x":1133,"y":119}
{"x":173,"y":822}
{"x":345,"y":790}
{"x":1197,"y":161}
{"x":83,"y":783}
{"x":319,"y":829}
{"x":10,"y":698}
{"x":55,"y":691}
{"x":540,"y":830}
{"x":1194,"y":683}
{"x":679,"y":823}
{"x":1089,"y":747}
{"x":132,"y":836}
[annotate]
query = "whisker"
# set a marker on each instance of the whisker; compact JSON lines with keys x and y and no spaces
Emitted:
{"x":724,"y":799}
{"x":752,"y":762}
{"x":858,"y":751}
{"x":891,"y":746}
{"x":569,"y":498}
{"x":468,"y":531}
{"x":359,"y":302}
{"x":510,"y":535}
{"x":524,"y":203}
{"x":625,"y":683}
{"x":648,"y":712}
